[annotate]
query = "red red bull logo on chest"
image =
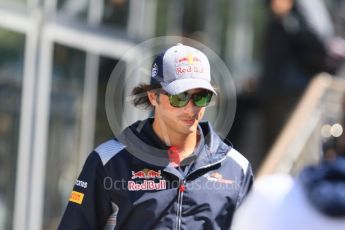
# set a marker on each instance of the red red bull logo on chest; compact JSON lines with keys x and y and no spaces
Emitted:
{"x":148,"y":182}
{"x":146,"y":174}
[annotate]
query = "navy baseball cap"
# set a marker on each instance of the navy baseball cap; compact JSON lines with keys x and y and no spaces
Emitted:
{"x":181,"y":68}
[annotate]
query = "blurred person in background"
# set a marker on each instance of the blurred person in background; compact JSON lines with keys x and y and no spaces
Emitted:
{"x":314,"y":200}
{"x":167,"y":172}
{"x":299,"y":43}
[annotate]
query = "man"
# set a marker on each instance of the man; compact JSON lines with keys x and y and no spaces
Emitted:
{"x":166,"y":172}
{"x":295,"y":50}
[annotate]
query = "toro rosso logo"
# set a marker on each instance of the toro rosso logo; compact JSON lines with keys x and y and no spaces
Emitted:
{"x":146,"y":174}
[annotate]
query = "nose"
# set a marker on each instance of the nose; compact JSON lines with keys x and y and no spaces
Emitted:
{"x":191,"y":109}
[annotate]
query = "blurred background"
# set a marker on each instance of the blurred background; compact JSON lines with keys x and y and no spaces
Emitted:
{"x":56,"y":56}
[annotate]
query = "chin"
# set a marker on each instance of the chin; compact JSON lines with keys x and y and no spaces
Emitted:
{"x":190,"y":129}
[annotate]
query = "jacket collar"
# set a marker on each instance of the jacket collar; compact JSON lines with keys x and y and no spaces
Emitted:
{"x":144,"y":145}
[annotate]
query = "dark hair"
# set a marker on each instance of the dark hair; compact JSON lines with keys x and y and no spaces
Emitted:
{"x":141,"y":98}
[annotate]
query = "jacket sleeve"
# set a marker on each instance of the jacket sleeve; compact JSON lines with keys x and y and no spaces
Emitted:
{"x":89,"y":205}
{"x":246,"y":185}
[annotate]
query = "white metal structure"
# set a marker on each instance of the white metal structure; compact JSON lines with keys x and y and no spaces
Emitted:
{"x":42,"y":31}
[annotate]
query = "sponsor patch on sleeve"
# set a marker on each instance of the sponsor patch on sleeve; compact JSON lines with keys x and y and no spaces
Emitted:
{"x":81,"y":183}
{"x":76,"y":197}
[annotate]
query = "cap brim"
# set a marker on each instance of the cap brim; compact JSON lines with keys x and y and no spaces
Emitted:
{"x":182,"y":85}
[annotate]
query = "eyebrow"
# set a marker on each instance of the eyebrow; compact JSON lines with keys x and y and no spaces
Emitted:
{"x":197,"y":90}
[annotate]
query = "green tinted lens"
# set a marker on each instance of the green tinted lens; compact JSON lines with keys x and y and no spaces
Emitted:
{"x":202,"y":99}
{"x":179,"y":100}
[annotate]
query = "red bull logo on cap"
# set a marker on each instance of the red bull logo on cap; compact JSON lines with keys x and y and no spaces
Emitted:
{"x":183,"y":59}
{"x":189,"y":64}
{"x":189,"y":59}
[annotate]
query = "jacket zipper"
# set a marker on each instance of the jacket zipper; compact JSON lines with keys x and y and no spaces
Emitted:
{"x":181,"y":189}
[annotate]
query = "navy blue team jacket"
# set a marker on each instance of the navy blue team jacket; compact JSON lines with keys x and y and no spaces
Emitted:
{"x":131,"y":183}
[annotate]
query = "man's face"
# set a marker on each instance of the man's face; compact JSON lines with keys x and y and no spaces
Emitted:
{"x":182,"y":120}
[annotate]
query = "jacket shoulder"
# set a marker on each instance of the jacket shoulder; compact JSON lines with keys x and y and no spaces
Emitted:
{"x":108,"y":150}
{"x":239,"y":159}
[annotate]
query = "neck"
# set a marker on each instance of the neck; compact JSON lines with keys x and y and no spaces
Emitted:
{"x":185,"y":143}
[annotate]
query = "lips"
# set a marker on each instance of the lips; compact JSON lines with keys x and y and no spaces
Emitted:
{"x":189,"y":121}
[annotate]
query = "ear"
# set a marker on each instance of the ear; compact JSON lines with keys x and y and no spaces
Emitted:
{"x":152,"y":98}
